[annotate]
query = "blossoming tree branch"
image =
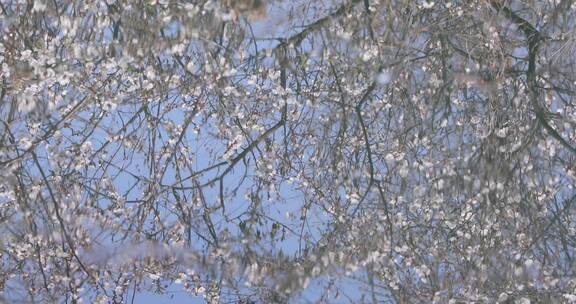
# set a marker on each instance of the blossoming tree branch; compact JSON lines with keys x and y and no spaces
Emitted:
{"x":276,"y":151}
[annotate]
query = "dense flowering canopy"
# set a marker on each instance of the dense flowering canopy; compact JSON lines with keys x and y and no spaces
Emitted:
{"x":420,"y":151}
